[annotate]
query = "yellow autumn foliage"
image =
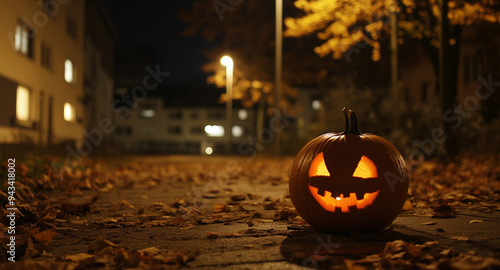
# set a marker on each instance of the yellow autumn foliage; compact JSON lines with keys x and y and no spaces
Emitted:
{"x":344,"y":23}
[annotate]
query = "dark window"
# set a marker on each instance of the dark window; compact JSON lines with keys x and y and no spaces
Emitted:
{"x":175,"y":115}
{"x":192,"y":147}
{"x":174,"y":130}
{"x":50,"y":7}
{"x":24,"y":39}
{"x":195,"y":115}
{"x":196,"y":130}
{"x":71,"y":27}
{"x":46,"y":56}
{"x":123,"y":130}
{"x":216,"y":115}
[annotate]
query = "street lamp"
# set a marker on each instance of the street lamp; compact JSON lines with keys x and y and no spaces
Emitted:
{"x":277,"y":65}
{"x":228,"y":63}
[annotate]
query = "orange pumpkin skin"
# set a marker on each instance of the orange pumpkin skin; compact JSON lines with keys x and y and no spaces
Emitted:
{"x":349,"y":200}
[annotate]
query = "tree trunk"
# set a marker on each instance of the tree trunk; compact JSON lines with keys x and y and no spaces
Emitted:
{"x":448,"y":59}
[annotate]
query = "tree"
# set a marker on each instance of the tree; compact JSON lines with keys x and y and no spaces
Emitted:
{"x":245,"y":31}
{"x":344,"y":25}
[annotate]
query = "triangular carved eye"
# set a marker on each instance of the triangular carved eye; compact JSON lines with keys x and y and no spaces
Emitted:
{"x":318,"y":166}
{"x":366,"y":169}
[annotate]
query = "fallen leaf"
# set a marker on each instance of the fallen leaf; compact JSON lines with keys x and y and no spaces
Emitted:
{"x":272,"y":205}
{"x":125,"y":204}
{"x":257,"y":215}
{"x":99,"y":244}
{"x":443,"y":211}
{"x":460,"y":238}
{"x":476,"y":221}
{"x":75,"y":207}
{"x":430,"y":223}
{"x":407,"y":206}
{"x":220,"y":207}
{"x":77,"y":257}
{"x":252,"y":196}
{"x":212,"y":235}
{"x":44,"y":237}
{"x":285,"y":214}
{"x":150,"y":251}
{"x":237,"y":198}
{"x":211,"y":194}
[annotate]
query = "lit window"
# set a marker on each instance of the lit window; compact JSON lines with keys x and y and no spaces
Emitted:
{"x":23,"y":39}
{"x":68,"y":71}
{"x":316,"y":105}
{"x":148,"y":113}
{"x":237,"y":131}
{"x":214,"y":130}
{"x":69,"y":112}
{"x":22,"y":103}
{"x":242,"y":114}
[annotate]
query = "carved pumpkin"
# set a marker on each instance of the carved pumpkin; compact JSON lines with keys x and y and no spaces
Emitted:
{"x":349,"y":181}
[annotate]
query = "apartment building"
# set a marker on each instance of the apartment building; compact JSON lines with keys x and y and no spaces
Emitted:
{"x":52,"y":71}
{"x":151,"y":127}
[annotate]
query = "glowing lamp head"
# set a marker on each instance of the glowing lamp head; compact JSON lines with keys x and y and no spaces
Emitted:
{"x":226,"y":61}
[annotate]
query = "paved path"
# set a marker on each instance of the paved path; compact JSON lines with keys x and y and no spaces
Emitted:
{"x":140,"y":211}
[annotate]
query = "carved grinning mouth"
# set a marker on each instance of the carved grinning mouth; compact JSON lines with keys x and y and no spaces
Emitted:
{"x":340,"y":199}
{"x":343,"y":203}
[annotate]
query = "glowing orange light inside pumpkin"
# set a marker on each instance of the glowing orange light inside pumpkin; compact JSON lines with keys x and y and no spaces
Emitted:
{"x":318,"y":166}
{"x":329,"y":203}
{"x":365,"y":169}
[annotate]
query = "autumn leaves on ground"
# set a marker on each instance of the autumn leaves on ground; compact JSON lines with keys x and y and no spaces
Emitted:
{"x":168,"y":212}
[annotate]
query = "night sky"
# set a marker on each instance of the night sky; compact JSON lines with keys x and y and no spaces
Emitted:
{"x":156,"y":23}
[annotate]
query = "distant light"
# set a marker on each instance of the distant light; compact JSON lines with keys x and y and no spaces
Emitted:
{"x":209,"y":150}
{"x":237,"y":131}
{"x":69,"y":112}
{"x":148,"y":113}
{"x":68,"y":71}
{"x":242,"y":114}
{"x":214,"y":130}
{"x":22,"y":103}
{"x":316,"y":105}
{"x":226,"y":61}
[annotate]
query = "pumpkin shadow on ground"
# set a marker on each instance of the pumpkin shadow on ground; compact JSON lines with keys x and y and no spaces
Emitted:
{"x":317,"y":250}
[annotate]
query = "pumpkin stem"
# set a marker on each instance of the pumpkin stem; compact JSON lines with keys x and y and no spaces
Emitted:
{"x":351,"y":122}
{"x":354,"y":124}
{"x":346,"y":111}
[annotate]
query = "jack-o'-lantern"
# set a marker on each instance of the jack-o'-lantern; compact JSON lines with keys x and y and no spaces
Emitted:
{"x":349,"y":181}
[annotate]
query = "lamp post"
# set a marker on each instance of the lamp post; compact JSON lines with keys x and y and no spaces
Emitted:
{"x":277,"y":66}
{"x":228,"y":63}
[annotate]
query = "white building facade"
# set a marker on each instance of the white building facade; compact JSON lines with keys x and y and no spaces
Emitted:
{"x":151,"y":127}
{"x":41,"y":71}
